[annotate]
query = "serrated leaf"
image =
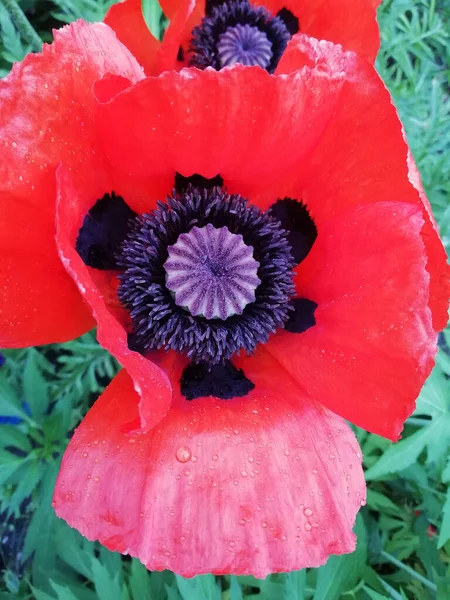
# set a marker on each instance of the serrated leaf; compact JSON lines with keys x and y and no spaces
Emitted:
{"x":405,"y":453}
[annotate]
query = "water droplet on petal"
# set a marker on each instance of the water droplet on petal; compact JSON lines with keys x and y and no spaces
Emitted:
{"x":308,"y":526}
{"x":308,"y":512}
{"x":183,"y":454}
{"x":96,"y":479}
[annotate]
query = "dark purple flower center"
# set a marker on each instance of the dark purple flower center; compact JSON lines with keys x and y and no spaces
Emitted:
{"x":205,"y":274}
{"x":212,"y":272}
{"x":238,"y":32}
{"x":245,"y":45}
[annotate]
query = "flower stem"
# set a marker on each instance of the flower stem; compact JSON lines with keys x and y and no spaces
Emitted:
{"x":22,"y":24}
{"x":423,"y":580}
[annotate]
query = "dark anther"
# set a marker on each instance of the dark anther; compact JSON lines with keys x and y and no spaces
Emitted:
{"x":303,"y":316}
{"x":295,"y":218}
{"x":180,"y":55}
{"x":290,"y":20}
{"x":222,"y":381}
{"x":196,"y":180}
{"x":210,"y":4}
{"x":104,"y":229}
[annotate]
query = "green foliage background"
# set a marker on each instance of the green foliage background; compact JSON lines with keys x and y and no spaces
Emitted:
{"x":403,"y":532}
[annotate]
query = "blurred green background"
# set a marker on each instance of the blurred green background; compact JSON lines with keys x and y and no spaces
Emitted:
{"x":403,"y":531}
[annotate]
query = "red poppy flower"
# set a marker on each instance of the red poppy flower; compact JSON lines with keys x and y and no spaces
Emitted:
{"x":351,"y":23}
{"x":195,"y":458}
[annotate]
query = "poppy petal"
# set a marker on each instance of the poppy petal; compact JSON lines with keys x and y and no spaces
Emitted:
{"x":47,"y":111}
{"x":350,"y":23}
{"x":437,"y":257}
{"x":127,"y":20}
{"x":177,"y":35}
{"x":364,"y":160}
{"x":210,"y":122}
{"x":373,"y":343}
{"x":283,"y":473}
{"x":97,"y":288}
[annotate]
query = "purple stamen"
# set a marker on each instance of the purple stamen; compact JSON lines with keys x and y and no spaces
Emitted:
{"x":212,"y":272}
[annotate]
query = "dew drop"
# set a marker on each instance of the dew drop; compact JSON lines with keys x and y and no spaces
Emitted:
{"x":308,"y":512}
{"x":96,"y":479}
{"x":308,"y":526}
{"x":183,"y":454}
{"x":263,"y":524}
{"x":287,"y":453}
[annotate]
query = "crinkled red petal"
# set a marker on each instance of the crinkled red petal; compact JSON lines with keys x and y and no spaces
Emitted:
{"x":350,"y":23}
{"x":242,"y":123}
{"x":47,"y":114}
{"x":364,"y":160}
{"x":268,"y":483}
{"x":99,"y":288}
{"x":373,"y":344}
{"x":127,"y":20}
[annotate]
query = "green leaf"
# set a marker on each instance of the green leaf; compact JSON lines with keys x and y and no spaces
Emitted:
{"x":10,"y":404}
{"x":342,"y":572}
{"x":35,"y":386}
{"x":295,"y":585}
{"x":444,"y":534}
{"x":139,"y":581}
{"x":9,"y":463}
{"x":40,"y":595}
{"x":152,"y":14}
{"x":406,"y":452}
{"x":202,"y":587}
{"x":63,"y":592}
{"x":106,"y":586}
{"x":235,"y":589}
{"x":12,"y":436}
{"x":373,"y":595}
